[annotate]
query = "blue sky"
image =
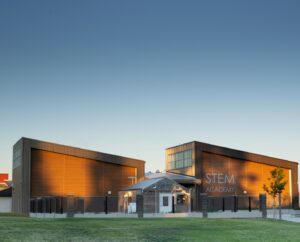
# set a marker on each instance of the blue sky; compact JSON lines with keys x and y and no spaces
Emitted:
{"x":135,"y":77}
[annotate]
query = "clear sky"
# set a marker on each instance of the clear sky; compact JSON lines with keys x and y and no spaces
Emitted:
{"x":135,"y":77}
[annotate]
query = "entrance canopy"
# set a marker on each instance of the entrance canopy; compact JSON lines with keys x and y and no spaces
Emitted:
{"x":182,"y":179}
{"x":160,"y":195}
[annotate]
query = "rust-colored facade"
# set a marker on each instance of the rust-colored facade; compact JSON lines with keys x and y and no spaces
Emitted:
{"x":42,"y":169}
{"x":226,"y":172}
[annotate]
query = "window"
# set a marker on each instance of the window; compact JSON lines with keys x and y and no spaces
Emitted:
{"x":165,"y":201}
{"x":180,"y":160}
{"x":187,"y":158}
{"x":179,"y":164}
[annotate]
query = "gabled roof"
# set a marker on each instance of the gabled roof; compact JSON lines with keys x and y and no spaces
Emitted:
{"x":175,"y":177}
{"x":143,"y":184}
{"x":150,"y":183}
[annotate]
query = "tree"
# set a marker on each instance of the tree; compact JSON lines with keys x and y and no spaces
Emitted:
{"x":275,"y":187}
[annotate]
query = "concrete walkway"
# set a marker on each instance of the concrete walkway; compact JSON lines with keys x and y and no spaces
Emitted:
{"x":287,"y":215}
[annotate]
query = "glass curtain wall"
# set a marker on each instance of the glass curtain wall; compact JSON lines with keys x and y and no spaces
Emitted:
{"x":180,"y":160}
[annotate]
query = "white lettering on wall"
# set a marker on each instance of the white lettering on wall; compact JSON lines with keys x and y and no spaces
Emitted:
{"x":230,"y":179}
{"x":208,"y":179}
{"x":219,"y":189}
{"x":219,"y":178}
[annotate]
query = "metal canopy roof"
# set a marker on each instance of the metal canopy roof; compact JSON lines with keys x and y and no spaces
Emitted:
{"x":143,"y":184}
{"x":176,"y":177}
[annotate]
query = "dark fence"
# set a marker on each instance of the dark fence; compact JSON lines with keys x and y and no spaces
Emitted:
{"x":110,"y":204}
{"x":72,"y":204}
{"x":232,"y":203}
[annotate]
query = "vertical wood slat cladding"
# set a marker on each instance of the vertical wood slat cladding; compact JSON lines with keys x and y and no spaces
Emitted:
{"x":54,"y":174}
{"x":94,"y":171}
{"x":260,"y":166}
{"x":38,"y":179}
{"x":248,"y":176}
{"x":251,"y":170}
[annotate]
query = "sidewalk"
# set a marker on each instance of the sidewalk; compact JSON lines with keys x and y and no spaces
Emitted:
{"x":287,"y":215}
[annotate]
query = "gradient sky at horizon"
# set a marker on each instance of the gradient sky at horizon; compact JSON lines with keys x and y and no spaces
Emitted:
{"x":135,"y":77}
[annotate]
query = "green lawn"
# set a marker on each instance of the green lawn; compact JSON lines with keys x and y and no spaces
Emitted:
{"x":171,"y":229}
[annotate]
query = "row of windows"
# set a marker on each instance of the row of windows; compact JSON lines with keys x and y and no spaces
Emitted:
{"x":180,"y":160}
{"x":187,"y":154}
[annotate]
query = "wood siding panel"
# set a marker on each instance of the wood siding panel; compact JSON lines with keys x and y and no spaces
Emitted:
{"x":94,"y":178}
{"x":46,"y":172}
{"x":37,"y":174}
{"x":54,"y":174}
{"x":75,"y":169}
{"x":112,"y":178}
{"x":248,"y":177}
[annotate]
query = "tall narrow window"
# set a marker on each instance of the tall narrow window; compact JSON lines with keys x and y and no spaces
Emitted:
{"x":165,"y":201}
